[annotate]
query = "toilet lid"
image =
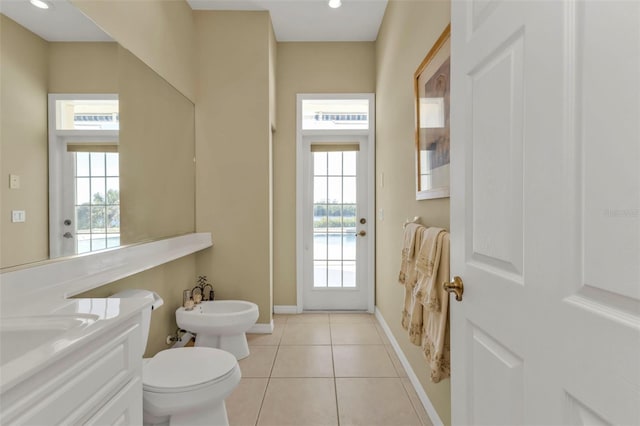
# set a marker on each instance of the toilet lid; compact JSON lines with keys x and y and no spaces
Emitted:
{"x":175,"y":369}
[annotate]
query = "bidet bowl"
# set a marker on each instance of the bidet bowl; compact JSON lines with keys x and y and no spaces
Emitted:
{"x":220,"y":324}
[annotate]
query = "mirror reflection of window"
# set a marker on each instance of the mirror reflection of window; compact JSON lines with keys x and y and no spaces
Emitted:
{"x":432,"y":113}
{"x":84,"y":158}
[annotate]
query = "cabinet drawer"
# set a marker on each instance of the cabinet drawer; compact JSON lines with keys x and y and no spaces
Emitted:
{"x":123,"y":409}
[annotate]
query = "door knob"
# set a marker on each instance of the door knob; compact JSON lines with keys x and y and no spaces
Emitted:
{"x":67,"y":235}
{"x":456,"y":286}
{"x":361,"y":233}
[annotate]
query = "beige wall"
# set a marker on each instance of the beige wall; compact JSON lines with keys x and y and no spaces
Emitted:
{"x":157,"y":150}
{"x":157,"y":184}
{"x":83,"y":68}
{"x":306,"y":68}
{"x":232,"y":148}
{"x":159,"y":32}
{"x":408,"y":31}
{"x":23,"y":146}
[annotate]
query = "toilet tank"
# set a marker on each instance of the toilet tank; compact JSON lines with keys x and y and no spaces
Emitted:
{"x":146,"y":314}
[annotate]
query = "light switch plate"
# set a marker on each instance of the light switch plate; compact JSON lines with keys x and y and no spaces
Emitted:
{"x":14,"y":181}
{"x":18,"y":216}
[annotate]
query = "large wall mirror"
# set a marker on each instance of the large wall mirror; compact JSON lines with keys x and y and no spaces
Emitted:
{"x":61,"y":52}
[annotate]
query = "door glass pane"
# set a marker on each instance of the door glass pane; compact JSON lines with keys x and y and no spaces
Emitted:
{"x":320,"y":245}
{"x":98,"y":219}
{"x":97,"y":201}
{"x":349,"y":190}
{"x":334,"y":274}
{"x":319,"y":274}
{"x":349,"y":246}
{"x":97,"y":164}
{"x":349,"y":274}
{"x":320,"y":163}
{"x":334,"y":219}
{"x":349,"y":163}
{"x":319,"y":189}
{"x":83,"y":219}
{"x":83,"y":191}
{"x":113,"y":166}
{"x":334,"y":192}
{"x":82,"y":164}
{"x":334,"y":163}
{"x":97,"y":191}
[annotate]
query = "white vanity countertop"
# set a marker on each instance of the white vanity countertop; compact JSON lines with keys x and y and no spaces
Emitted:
{"x":71,"y":322}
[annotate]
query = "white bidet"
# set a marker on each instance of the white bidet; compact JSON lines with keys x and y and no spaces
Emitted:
{"x":220,"y":324}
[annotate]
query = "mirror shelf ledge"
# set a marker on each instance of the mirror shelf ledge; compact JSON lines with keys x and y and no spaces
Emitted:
{"x":67,"y":277}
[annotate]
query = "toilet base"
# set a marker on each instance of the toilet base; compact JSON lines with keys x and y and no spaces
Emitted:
{"x":215,"y":415}
{"x":234,"y":343}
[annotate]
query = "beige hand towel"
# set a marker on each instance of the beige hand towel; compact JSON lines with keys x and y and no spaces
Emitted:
{"x":410,"y":279}
{"x":408,"y":250}
{"x":426,"y":265}
{"x":435,"y":337}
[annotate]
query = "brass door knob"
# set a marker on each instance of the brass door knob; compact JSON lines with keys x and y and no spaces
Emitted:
{"x":361,"y":233}
{"x":456,"y":286}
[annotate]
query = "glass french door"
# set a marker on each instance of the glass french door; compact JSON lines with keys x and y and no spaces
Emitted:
{"x":336,"y":224}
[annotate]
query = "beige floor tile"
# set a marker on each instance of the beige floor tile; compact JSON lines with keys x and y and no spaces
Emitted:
{"x":355,"y":334}
{"x":306,"y":334}
{"x":267,"y":339}
{"x":383,"y":335}
{"x":374,"y":401}
{"x":280,"y":318}
{"x":417,"y":404}
{"x":362,"y":361}
{"x":320,"y":318}
{"x":298,"y":402}
{"x":352,"y":318}
{"x":243,"y":405}
{"x":259,"y":361}
{"x":303,"y":361}
{"x":396,"y":361}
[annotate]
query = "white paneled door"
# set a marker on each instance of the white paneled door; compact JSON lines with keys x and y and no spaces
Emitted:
{"x":336,"y":223}
{"x":545,"y":212}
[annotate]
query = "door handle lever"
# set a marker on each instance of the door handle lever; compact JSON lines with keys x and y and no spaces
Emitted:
{"x":456,"y":286}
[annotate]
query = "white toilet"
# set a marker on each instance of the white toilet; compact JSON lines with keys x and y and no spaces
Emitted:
{"x":220,"y":324}
{"x":184,"y":386}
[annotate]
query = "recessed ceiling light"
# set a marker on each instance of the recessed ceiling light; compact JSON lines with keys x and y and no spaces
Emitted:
{"x":41,"y":4}
{"x":335,"y":3}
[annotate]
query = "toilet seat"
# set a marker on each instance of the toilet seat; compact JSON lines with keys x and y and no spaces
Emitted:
{"x":187,"y":369}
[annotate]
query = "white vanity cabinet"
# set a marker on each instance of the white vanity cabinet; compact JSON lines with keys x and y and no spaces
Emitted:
{"x":98,"y":382}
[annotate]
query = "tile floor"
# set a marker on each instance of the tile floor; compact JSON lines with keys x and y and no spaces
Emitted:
{"x":324,"y":369}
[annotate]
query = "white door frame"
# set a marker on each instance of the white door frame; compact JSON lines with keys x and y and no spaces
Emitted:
{"x":370,"y":208}
{"x":60,"y":176}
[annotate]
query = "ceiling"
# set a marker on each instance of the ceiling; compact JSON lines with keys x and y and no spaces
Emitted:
{"x":61,"y":22}
{"x":293,"y":20}
{"x":311,"y":20}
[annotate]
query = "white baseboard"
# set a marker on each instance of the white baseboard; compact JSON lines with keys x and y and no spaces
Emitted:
{"x":426,"y":402}
{"x":285,"y":309}
{"x":261,"y":328}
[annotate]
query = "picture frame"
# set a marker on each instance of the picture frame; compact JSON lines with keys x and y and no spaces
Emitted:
{"x":432,"y":87}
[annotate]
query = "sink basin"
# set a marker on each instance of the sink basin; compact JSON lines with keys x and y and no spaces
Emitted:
{"x":20,"y":335}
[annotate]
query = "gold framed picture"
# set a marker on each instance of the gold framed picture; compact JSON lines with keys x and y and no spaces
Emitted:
{"x":432,"y":86}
